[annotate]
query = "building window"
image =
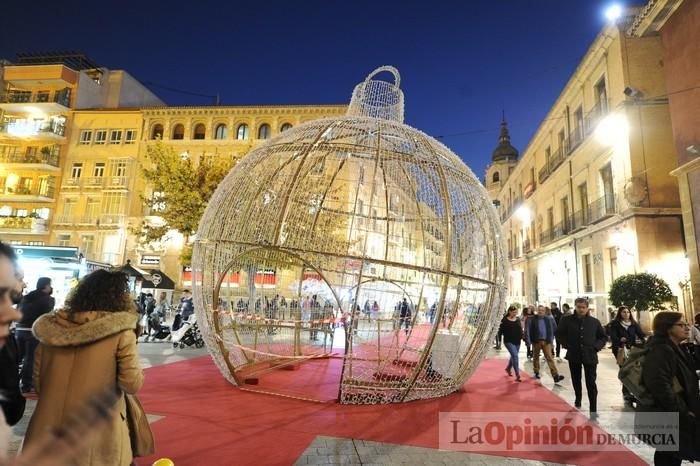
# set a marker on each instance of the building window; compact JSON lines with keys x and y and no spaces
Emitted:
{"x":264,"y":131}
{"x":115,"y":136}
{"x":69,"y":207}
{"x":63,"y":240}
{"x":178,"y":131}
{"x":548,"y":155}
{"x":76,"y":170}
{"x":92,"y":208}
{"x":85,"y":136}
{"x":587,"y":278}
{"x":220,"y":132}
{"x":130,"y":136}
{"x":35,"y":243}
{"x":242,"y":132}
{"x":42,"y":212}
{"x":100,"y":136}
{"x":118,"y":168}
{"x":578,"y":124}
{"x":608,"y":192}
{"x":601,"y":96}
{"x":583,"y":199}
{"x":496,"y":177}
{"x":565,"y":219}
{"x":99,"y":170}
{"x":562,"y":142}
{"x":5,"y":211}
{"x":21,"y":213}
{"x":285,"y":127}
{"x":87,"y":245}
{"x":157,"y":132}
{"x":199,"y":131}
{"x":612,"y":252}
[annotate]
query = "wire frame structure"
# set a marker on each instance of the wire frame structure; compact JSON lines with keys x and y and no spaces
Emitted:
{"x":355,"y":239}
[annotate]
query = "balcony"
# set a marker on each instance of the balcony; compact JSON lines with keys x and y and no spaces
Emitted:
{"x":94,"y":182}
{"x":25,"y":194}
{"x":43,"y":160}
{"x":602,"y":208}
{"x":27,"y":101}
{"x":70,"y":183}
{"x":117,"y":183}
{"x":51,"y":129}
{"x":583,"y":129}
{"x":112,"y":220}
{"x":23,"y":225}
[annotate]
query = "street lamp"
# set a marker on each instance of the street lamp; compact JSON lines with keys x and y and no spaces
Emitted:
{"x":612,"y":129}
{"x":613,"y":12}
{"x":523,"y":213}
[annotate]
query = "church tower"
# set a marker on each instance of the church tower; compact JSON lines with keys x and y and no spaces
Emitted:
{"x":503,"y":159}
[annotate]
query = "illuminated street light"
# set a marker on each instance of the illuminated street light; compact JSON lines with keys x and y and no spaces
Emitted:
{"x":612,"y":130}
{"x":613,"y":12}
{"x":523,"y":213}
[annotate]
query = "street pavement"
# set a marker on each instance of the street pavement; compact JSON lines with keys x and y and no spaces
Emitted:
{"x":329,"y":450}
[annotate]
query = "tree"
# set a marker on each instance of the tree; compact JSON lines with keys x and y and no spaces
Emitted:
{"x":181,"y":189}
{"x":642,"y":291}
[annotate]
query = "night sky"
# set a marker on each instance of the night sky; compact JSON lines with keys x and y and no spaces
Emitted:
{"x":461,"y":63}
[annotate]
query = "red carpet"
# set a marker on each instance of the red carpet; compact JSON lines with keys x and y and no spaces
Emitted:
{"x":209,"y":422}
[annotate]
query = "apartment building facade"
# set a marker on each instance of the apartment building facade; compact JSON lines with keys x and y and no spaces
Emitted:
{"x":592,"y":197}
{"x":39,"y":95}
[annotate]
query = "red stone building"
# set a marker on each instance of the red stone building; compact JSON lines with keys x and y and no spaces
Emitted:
{"x":678,"y":23}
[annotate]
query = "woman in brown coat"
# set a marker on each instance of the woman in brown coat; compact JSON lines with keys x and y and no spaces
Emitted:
{"x":86,"y":347}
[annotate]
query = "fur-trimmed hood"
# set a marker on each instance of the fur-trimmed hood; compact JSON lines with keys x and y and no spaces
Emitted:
{"x":64,"y":328}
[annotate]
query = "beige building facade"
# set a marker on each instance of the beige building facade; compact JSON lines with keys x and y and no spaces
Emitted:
{"x":102,"y":190}
{"x":592,"y":197}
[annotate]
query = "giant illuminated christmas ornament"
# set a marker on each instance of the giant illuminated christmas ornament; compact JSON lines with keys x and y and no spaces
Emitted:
{"x":357,"y":244}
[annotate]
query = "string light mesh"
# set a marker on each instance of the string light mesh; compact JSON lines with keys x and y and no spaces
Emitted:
{"x":358,"y":239}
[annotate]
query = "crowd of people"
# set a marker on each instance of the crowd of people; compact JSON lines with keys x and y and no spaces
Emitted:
{"x":671,"y":359}
{"x":80,"y":361}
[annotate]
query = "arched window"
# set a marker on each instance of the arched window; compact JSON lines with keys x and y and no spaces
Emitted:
{"x":199,"y":131}
{"x":285,"y":127}
{"x":157,"y":132}
{"x":242,"y":133}
{"x":179,"y":131}
{"x":264,"y":131}
{"x":496,"y":177}
{"x":220,"y":132}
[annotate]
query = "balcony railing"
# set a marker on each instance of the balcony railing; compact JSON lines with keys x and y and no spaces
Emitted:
{"x":505,"y":215}
{"x":43,"y":158}
{"x":602,"y":208}
{"x":30,"y":224}
{"x":43,"y":191}
{"x":54,"y":128}
{"x":112,"y":219}
{"x":117,"y":182}
{"x":72,"y":182}
{"x":61,"y":97}
{"x":94,"y":182}
{"x":577,"y":136}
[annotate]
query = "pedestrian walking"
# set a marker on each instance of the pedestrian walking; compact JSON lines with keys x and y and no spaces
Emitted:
{"x":582,"y":336}
{"x":672,"y":382}
{"x":33,"y":305}
{"x":404,"y":315}
{"x":556,"y":313}
{"x":83,"y":350}
{"x":528,"y":312}
{"x":541,"y":330}
{"x":512,"y":332}
{"x":186,"y":305}
{"x":625,"y":333}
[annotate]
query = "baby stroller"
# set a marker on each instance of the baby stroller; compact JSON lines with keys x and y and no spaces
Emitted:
{"x":188,"y":335}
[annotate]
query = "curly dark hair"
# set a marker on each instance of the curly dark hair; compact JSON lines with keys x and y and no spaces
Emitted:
{"x":101,"y":290}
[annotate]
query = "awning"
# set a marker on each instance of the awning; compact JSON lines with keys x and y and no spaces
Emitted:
{"x":157,"y":280}
{"x":130,"y":270}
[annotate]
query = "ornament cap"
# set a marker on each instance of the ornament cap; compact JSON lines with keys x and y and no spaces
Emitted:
{"x":375,"y":98}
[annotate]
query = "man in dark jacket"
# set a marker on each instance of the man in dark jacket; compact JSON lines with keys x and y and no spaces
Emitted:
{"x":556,"y":313}
{"x":582,"y":336}
{"x":540,"y":334}
{"x":404,"y":315}
{"x":33,"y":306}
